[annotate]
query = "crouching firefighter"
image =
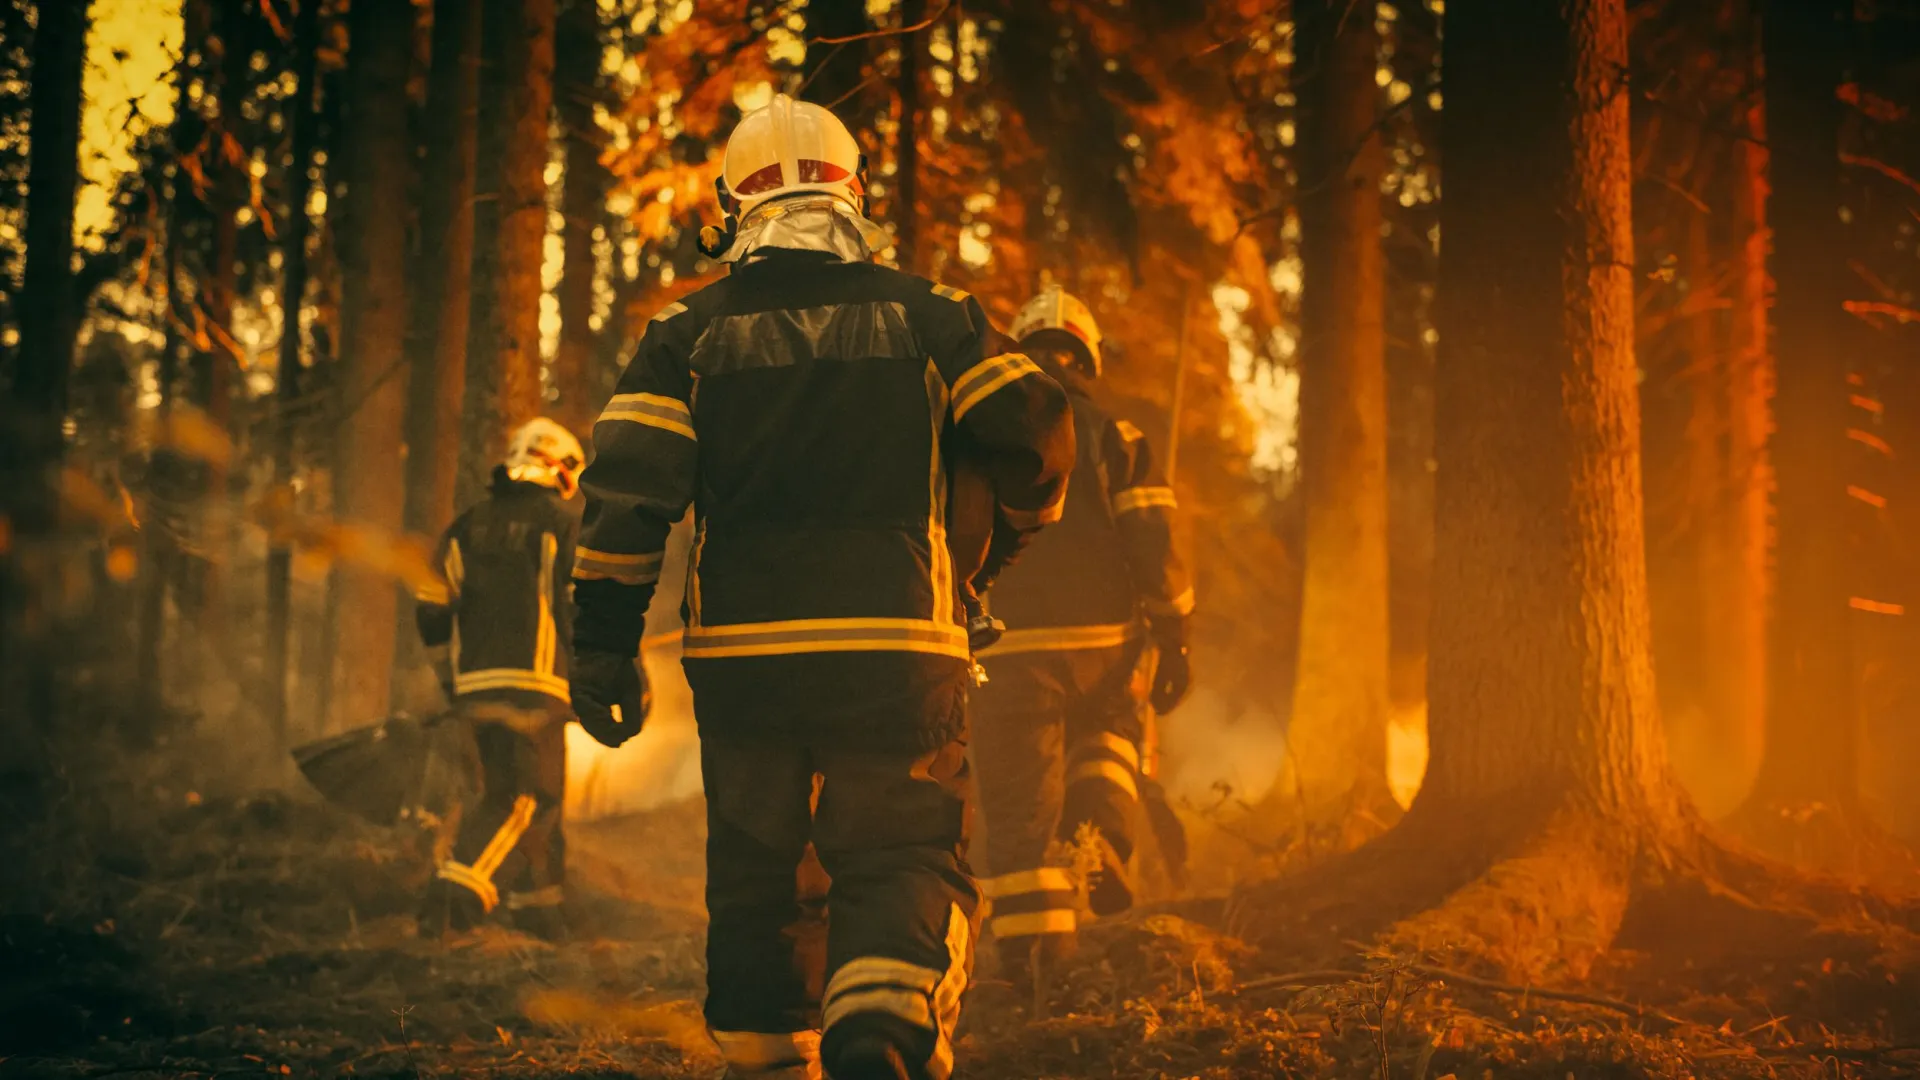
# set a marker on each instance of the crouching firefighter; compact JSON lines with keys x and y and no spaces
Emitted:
{"x":813,"y":407}
{"x":1096,"y":615}
{"x":506,"y":563}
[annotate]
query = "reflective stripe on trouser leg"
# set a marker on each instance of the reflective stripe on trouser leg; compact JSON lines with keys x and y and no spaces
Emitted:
{"x":756,"y":1053}
{"x":1031,"y":902}
{"x":1106,"y":758}
{"x":477,"y":877}
{"x":920,"y":996}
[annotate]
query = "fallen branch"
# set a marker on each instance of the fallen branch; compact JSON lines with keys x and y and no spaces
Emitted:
{"x":1614,"y":1004}
{"x":1295,"y":979}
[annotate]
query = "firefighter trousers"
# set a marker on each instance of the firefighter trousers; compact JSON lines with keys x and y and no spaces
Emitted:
{"x":889,"y":829}
{"x":1055,"y":739}
{"x":510,"y":851}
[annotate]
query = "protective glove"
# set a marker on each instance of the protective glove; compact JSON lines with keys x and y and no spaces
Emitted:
{"x":1172,"y":674}
{"x":611,"y":698}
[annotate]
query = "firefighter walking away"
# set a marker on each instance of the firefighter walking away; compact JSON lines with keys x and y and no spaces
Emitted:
{"x":813,"y":407}
{"x":1096,"y":614}
{"x":502,"y":616}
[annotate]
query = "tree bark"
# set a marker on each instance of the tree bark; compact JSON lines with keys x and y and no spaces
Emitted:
{"x":48,"y":321}
{"x":832,"y":73}
{"x":1541,"y":678}
{"x":304,"y":122}
{"x":1337,"y":737}
{"x":373,"y":238}
{"x":1812,"y":753}
{"x":583,"y":207}
{"x":506,"y":339}
{"x":906,"y":179}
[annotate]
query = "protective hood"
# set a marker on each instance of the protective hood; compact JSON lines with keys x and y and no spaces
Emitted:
{"x":808,"y":223}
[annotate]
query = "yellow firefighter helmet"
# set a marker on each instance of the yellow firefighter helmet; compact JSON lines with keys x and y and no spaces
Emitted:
{"x":543,"y":452}
{"x":1065,"y":319}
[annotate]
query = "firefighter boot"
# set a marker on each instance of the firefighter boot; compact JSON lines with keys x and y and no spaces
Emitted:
{"x":873,"y":1050}
{"x":1110,"y":890}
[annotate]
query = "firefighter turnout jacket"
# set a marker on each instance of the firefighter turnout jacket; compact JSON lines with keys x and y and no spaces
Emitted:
{"x":813,"y":410}
{"x":502,"y":608}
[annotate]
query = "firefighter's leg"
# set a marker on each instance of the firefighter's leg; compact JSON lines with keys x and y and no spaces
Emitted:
{"x":467,"y":884}
{"x":758,"y":1007}
{"x":1103,"y":769}
{"x":1018,"y":747}
{"x":903,"y":907}
{"x":535,"y":894}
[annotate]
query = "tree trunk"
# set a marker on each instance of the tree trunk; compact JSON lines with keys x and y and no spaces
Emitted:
{"x":48,"y":321}
{"x":832,"y":73}
{"x":906,"y":179}
{"x":1337,"y":737}
{"x":1812,"y":727}
{"x":305,"y":122}
{"x":506,"y":330}
{"x":373,"y":238}
{"x":583,"y":207}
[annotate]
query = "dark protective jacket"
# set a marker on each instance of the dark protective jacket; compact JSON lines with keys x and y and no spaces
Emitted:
{"x":814,"y":411}
{"x":504,"y":610}
{"x":1086,"y":582}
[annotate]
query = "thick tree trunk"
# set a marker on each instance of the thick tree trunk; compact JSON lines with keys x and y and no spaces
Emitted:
{"x":583,"y":207}
{"x":832,"y":73}
{"x":304,"y":122}
{"x":906,"y":178}
{"x":1541,"y":678}
{"x":506,"y":342}
{"x":46,"y":306}
{"x":373,"y":236}
{"x":1812,"y":727}
{"x":1337,"y":737}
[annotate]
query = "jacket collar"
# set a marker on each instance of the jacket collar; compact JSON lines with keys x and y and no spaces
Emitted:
{"x":807,"y":223}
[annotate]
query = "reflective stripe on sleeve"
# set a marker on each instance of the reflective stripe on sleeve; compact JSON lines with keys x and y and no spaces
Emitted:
{"x":1062,"y":639}
{"x":1181,"y":605}
{"x":456,"y":568}
{"x":653,"y":410}
{"x":1034,"y":519}
{"x":1142,"y":498}
{"x":590,"y":564}
{"x":982,"y":379}
{"x":470,"y":682}
{"x":433,"y":592}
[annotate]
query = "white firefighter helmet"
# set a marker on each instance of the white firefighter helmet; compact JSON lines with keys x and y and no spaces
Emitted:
{"x":543,"y":452}
{"x":1057,"y":311}
{"x":788,"y":148}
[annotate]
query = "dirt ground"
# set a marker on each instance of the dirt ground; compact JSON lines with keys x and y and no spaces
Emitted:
{"x":171,"y":933}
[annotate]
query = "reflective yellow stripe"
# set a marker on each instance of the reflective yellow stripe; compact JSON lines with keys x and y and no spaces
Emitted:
{"x":1042,"y":879}
{"x":468,"y":682}
{"x":433,"y":592}
{"x":551,"y":896}
{"x":946,"y":997}
{"x":653,"y":410}
{"x":590,"y":564}
{"x":826,"y":635}
{"x":507,"y":835}
{"x":1029,"y":923}
{"x":937,"y":551}
{"x":908,"y":1005}
{"x":1111,"y":771}
{"x":456,"y":567}
{"x":756,"y":1051}
{"x":881,"y":971}
{"x":1034,"y":519}
{"x":1141,"y":498}
{"x":1113,"y":744}
{"x":982,"y":379}
{"x":1062,"y":639}
{"x":546,"y":638}
{"x":1179,"y":605}
{"x":668,"y":312}
{"x":956,"y":295}
{"x":464,"y":876}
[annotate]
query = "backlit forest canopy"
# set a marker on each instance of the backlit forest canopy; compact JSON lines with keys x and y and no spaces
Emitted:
{"x":1602,"y":501}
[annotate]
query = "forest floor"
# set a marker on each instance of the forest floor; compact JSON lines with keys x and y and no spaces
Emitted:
{"x":269,"y":935}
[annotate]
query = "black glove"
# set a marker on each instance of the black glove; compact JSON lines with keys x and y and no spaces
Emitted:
{"x":610,"y":696}
{"x":1172,"y":675}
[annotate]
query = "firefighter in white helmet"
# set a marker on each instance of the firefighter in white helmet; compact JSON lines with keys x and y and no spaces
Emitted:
{"x":1096,"y":626}
{"x":826,"y":635}
{"x":501,"y":611}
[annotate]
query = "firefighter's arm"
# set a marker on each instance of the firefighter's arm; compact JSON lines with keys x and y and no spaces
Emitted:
{"x":1143,"y":507}
{"x":434,"y":602}
{"x":645,"y":457}
{"x":1014,"y":422}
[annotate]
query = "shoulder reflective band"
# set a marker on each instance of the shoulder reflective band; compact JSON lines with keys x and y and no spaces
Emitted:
{"x":591,"y":564}
{"x":958,"y":296}
{"x":1140,"y":498}
{"x":668,"y":312}
{"x":982,"y":379}
{"x":653,"y":410}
